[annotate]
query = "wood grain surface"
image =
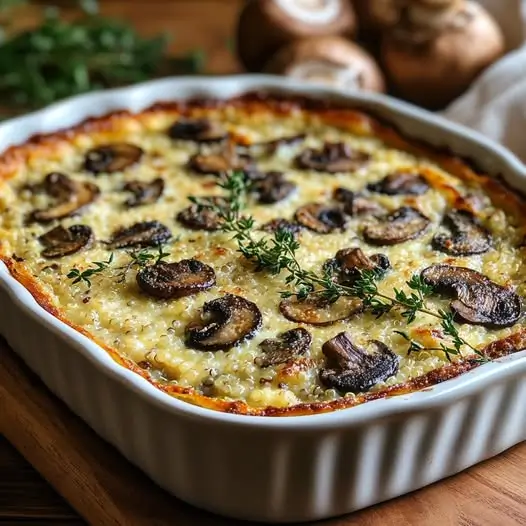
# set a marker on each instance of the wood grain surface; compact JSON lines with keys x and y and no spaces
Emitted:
{"x":100,"y":485}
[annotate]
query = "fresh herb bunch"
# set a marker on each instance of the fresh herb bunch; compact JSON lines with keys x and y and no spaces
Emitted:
{"x":62,"y":58}
{"x":140,"y":259}
{"x":278,"y":253}
{"x":84,"y":276}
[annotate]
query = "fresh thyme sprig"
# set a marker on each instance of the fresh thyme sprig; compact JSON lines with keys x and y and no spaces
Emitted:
{"x":84,"y":276}
{"x":141,"y":258}
{"x":278,"y":253}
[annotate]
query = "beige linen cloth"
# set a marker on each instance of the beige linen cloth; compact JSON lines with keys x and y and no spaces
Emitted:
{"x":496,"y":103}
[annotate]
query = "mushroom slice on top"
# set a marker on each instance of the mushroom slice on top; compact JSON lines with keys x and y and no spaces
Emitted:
{"x":197,"y":130}
{"x":220,"y":162}
{"x":351,"y":369}
{"x":355,"y":204}
{"x":271,"y":147}
{"x":60,"y":241}
{"x":479,"y":300}
{"x":226,"y":321}
{"x":317,"y":310}
{"x":110,"y":158}
{"x":348,"y":263}
{"x":468,"y":235}
{"x":197,"y":218}
{"x":175,"y":280}
{"x":144,"y":193}
{"x":143,"y":234}
{"x":334,"y":157}
{"x":72,"y":196}
{"x":400,"y":183}
{"x":401,"y":225}
{"x":320,"y":218}
{"x":282,"y":224}
{"x":286,"y":346}
{"x":272,"y":187}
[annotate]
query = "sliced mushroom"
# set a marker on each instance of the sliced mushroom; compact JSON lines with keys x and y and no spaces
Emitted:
{"x":285,"y":347}
{"x":400,"y":183}
{"x":111,"y":158}
{"x":271,"y":147}
{"x":144,"y":193}
{"x":282,"y":224}
{"x":226,"y":321}
{"x":401,"y":225}
{"x":272,"y":187}
{"x":467,"y":237}
{"x":143,"y":234}
{"x":220,"y":162}
{"x":349,"y":262}
{"x":72,"y":196}
{"x":355,"y":204}
{"x":334,"y":157}
{"x":316,"y":310}
{"x":320,"y":218}
{"x":479,"y":301}
{"x":175,"y":280}
{"x":351,"y":369}
{"x":60,"y":241}
{"x":198,"y":218}
{"x":197,"y":130}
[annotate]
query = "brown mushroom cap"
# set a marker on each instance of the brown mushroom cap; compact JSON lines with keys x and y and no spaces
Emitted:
{"x":226,"y":321}
{"x":334,"y":157}
{"x":271,"y":187}
{"x":72,"y":197}
{"x":143,"y":234}
{"x":349,"y":262}
{"x":198,"y":218}
{"x":400,"y":183}
{"x":401,"y":225}
{"x":144,"y":193}
{"x":316,"y":310}
{"x":197,"y":130}
{"x":282,"y":224}
{"x":320,"y":218}
{"x":479,"y":300}
{"x":60,"y":241}
{"x":330,"y":60}
{"x":220,"y":162}
{"x":264,"y":26}
{"x":351,"y":369}
{"x":435,"y":72}
{"x":272,"y":146}
{"x":285,"y":347}
{"x":467,"y":237}
{"x":175,"y":280}
{"x":110,"y":158}
{"x":355,"y":204}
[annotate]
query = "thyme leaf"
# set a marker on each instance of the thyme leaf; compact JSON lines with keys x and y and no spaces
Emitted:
{"x":78,"y":276}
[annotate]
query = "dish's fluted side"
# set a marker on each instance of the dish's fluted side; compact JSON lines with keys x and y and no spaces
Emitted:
{"x":262,"y":468}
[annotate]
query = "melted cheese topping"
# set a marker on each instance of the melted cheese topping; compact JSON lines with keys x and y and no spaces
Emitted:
{"x":150,"y":330}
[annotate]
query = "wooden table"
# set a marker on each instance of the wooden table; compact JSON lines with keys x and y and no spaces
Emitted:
{"x":493,"y":493}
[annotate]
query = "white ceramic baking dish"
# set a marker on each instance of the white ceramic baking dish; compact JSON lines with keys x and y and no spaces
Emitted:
{"x":264,"y":468}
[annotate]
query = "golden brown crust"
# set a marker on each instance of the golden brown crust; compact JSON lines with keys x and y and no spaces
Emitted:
{"x":356,"y":121}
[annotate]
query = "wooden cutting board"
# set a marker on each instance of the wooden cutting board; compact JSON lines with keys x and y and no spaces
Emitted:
{"x":106,"y":490}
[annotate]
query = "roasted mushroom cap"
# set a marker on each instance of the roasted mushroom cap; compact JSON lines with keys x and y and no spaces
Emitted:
{"x":60,"y":241}
{"x":226,"y":321}
{"x":401,"y":225}
{"x":282,"y":224}
{"x":144,"y":193}
{"x":334,"y":157}
{"x":197,"y":130}
{"x":265,"y":26}
{"x":468,"y":235}
{"x":198,"y":218}
{"x":286,"y":346}
{"x":72,"y":196}
{"x":479,"y":300}
{"x":144,"y":234}
{"x":355,"y":204}
{"x":272,"y":146}
{"x":349,"y":262}
{"x":351,"y":369}
{"x":400,"y":183}
{"x":320,"y":218}
{"x":175,"y":280}
{"x":317,"y":310}
{"x":272,"y":187}
{"x":110,"y":158}
{"x":220,"y":162}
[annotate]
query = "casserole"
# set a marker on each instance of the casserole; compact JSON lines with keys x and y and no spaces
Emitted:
{"x":289,"y":469}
